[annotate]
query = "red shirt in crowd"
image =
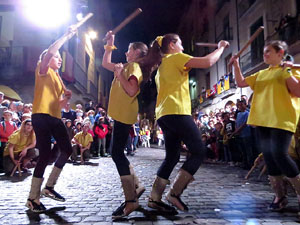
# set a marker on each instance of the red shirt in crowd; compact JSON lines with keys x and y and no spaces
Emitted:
{"x":101,"y":132}
{"x":6,"y":129}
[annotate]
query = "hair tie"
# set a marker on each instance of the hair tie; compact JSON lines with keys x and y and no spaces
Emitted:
{"x":159,"y":40}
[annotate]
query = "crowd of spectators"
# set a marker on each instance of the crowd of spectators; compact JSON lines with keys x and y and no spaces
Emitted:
{"x":89,"y":129}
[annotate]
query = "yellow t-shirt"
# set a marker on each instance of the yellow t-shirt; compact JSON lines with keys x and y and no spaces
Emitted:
{"x":84,"y":140}
{"x":172,"y":82}
{"x":47,"y":93}
{"x":121,"y":106}
{"x":272,"y":105}
{"x":20,"y":143}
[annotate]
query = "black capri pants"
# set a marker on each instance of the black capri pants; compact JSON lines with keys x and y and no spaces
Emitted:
{"x":46,"y":126}
{"x":274,"y":144}
{"x":177,"y":128}
{"x":119,"y":141}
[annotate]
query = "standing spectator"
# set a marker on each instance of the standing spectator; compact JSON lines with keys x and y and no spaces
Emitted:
{"x":13,"y":108}
{"x":101,"y":131}
{"x":99,"y":113}
{"x":19,"y":110}
{"x":89,"y":106}
{"x":243,"y":133}
{"x":7,"y":127}
{"x":2,"y":108}
{"x":228,"y":129}
{"x":68,"y":113}
{"x":70,"y":129}
{"x":136,"y":135}
{"x":90,"y":115}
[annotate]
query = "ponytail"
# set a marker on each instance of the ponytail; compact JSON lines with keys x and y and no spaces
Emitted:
{"x":158,"y":48}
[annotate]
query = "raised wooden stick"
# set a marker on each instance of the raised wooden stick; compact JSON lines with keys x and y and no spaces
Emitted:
{"x":84,"y":19}
{"x":125,"y":22}
{"x":203,"y":44}
{"x":252,"y":38}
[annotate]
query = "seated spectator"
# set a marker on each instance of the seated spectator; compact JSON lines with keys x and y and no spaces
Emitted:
{"x":20,"y":148}
{"x":160,"y":137}
{"x":82,"y":142}
{"x":7,"y":127}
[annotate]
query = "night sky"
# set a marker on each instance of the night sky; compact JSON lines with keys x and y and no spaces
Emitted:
{"x":159,"y":17}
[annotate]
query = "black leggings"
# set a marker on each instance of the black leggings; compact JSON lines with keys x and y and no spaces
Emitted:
{"x":119,"y":141}
{"x":274,"y":144}
{"x":46,"y":126}
{"x":177,"y":128}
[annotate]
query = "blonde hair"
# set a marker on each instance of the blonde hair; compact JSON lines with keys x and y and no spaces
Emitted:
{"x":21,"y":130}
{"x":42,"y":55}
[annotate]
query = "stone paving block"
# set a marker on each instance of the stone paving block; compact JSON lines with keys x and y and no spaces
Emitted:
{"x":93,"y":219}
{"x":219,"y":194}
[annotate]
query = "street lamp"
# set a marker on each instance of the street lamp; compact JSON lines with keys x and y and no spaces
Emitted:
{"x":92,"y":34}
{"x":46,"y":13}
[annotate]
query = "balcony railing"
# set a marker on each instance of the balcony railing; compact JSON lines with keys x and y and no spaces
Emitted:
{"x":244,"y":5}
{"x":225,"y":35}
{"x":247,"y":61}
{"x":289,"y":32}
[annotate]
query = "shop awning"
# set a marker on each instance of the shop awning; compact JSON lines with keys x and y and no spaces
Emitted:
{"x":10,"y":93}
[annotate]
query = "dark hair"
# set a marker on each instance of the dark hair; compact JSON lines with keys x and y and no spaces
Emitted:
{"x":152,"y":59}
{"x":278,"y":45}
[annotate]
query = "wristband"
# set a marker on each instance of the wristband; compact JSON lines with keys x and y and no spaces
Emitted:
{"x":110,"y":47}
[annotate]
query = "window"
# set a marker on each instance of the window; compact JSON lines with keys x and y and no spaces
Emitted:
{"x":227,"y":68}
{"x":207,"y":80}
{"x":87,"y":62}
{"x":257,"y":45}
{"x":0,"y":26}
{"x":244,"y":5}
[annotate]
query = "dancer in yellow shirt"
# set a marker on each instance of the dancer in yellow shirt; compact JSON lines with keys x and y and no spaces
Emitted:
{"x":173,"y":114}
{"x":50,"y":96}
{"x":123,"y":108}
{"x":275,"y":112}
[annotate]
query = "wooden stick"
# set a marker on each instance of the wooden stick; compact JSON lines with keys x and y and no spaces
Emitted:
{"x":202,"y":44}
{"x":257,"y":32}
{"x":125,"y":22}
{"x":14,"y":170}
{"x":84,"y":19}
{"x":19,"y":169}
{"x":252,"y":38}
{"x":296,"y":66}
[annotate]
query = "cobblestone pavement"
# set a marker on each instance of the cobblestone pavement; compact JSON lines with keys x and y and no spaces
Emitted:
{"x":219,"y":195}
